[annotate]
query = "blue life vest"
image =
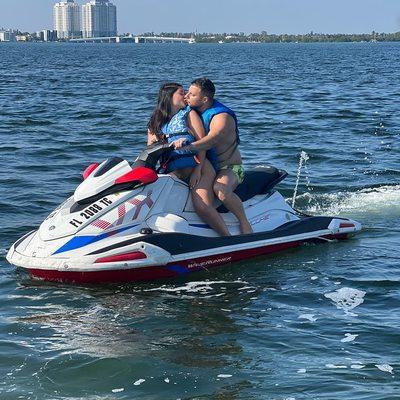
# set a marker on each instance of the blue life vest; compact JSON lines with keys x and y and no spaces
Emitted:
{"x":173,"y":130}
{"x":207,"y":116}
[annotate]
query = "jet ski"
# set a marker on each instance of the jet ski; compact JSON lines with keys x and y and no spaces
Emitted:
{"x":125,"y":222}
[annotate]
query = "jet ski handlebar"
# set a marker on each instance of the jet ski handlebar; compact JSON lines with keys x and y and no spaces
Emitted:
{"x":150,"y":156}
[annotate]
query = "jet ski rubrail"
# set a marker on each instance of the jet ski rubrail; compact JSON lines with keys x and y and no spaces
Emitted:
{"x":127,"y":223}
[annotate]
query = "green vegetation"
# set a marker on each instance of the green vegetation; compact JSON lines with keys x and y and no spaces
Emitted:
{"x":264,"y":37}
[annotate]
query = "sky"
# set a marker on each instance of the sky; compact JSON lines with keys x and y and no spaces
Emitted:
{"x":273,"y":16}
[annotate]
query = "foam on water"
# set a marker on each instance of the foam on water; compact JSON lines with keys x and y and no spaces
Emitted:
{"x":348,"y":338}
{"x":333,"y":366}
{"x":381,"y":200}
{"x":385,"y":368}
{"x":357,"y":366}
{"x":302,"y":371}
{"x":196,"y":287}
{"x":346,"y":298}
{"x":308,"y":317}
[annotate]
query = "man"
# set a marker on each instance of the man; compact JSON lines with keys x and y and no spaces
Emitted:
{"x":221,"y":141}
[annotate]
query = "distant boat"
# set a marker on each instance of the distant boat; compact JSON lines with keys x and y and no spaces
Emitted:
{"x":221,"y":42}
{"x":192,"y":41}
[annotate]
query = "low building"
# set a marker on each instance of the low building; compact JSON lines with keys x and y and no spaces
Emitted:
{"x":49,"y":35}
{"x":7,"y":35}
{"x":39,"y":36}
{"x":22,"y":38}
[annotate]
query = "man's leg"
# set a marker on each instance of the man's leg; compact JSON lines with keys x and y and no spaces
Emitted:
{"x":203,"y":201}
{"x":224,"y":185}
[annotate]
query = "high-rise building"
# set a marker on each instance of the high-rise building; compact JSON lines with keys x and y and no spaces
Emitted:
{"x":99,"y":19}
{"x":67,"y":20}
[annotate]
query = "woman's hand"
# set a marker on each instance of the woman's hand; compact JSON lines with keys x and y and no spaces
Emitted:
{"x":195,"y":177}
{"x":178,"y":144}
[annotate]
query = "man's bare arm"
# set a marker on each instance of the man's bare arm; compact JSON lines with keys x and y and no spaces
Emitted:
{"x":220,"y":124}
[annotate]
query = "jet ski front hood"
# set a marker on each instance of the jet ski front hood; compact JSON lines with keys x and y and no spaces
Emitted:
{"x":71,"y":218}
{"x":109,"y":184}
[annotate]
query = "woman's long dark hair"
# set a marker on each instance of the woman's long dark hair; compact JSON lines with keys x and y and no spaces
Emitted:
{"x":163,"y":111}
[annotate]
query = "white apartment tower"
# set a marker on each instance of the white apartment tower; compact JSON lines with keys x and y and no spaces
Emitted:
{"x":67,"y":20}
{"x":99,"y":19}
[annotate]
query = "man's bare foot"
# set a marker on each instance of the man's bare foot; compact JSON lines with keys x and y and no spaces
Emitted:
{"x":245,"y":228}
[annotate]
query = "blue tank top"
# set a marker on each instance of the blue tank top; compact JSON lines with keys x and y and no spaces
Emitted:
{"x":173,"y":130}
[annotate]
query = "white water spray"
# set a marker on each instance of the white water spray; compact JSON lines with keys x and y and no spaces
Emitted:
{"x":302,"y":163}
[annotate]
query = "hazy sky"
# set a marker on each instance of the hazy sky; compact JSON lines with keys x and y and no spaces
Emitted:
{"x":274,"y":16}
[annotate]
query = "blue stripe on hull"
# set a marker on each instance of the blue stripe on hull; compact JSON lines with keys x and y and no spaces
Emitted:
{"x":81,"y":241}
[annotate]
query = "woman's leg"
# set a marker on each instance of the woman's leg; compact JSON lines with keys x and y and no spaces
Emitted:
{"x":183,"y":174}
{"x":224,"y":185}
{"x":203,"y":200}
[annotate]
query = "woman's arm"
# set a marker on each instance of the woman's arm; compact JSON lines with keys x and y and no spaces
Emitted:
{"x":196,"y":128}
{"x":195,"y":125}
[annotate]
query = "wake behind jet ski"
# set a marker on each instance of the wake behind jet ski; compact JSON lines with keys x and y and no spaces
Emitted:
{"x":127,"y":223}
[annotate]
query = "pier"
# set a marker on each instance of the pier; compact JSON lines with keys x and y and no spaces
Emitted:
{"x":133,"y":39}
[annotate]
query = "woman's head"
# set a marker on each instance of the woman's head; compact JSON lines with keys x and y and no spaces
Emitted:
{"x":171,"y":97}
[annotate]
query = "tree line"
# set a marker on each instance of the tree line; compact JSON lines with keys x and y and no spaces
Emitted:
{"x":264,"y":37}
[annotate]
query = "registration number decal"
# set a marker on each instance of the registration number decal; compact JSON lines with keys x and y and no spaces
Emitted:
{"x":90,"y":212}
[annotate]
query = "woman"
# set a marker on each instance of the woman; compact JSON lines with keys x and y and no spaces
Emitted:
{"x":171,"y":120}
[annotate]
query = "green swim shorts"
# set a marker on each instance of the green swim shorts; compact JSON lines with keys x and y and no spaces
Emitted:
{"x":237,"y":169}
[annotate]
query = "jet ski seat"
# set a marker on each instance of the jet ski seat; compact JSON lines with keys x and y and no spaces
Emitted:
{"x":258,"y":181}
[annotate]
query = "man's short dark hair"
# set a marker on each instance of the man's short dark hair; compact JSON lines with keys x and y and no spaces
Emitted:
{"x":206,"y":86}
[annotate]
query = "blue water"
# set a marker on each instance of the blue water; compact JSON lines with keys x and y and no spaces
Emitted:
{"x":318,"y":322}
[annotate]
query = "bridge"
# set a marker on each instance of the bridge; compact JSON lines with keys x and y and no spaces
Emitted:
{"x":133,"y":39}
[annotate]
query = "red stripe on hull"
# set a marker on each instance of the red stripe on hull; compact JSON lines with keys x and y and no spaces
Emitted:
{"x":112,"y":276}
{"x":154,"y":273}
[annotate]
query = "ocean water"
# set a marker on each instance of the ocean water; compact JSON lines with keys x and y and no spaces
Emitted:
{"x":317,"y":322}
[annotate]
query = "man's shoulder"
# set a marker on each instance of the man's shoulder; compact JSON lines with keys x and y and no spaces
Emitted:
{"x":222,"y":116}
{"x":223,"y":120}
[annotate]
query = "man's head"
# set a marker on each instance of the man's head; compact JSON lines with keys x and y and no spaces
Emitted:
{"x":201,"y":93}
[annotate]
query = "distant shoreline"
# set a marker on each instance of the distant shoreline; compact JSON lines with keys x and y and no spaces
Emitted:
{"x":241,"y":37}
{"x":264,"y":37}
{"x":198,"y":43}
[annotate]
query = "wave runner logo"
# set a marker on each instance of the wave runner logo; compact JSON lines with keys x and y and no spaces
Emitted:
{"x":210,"y":262}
